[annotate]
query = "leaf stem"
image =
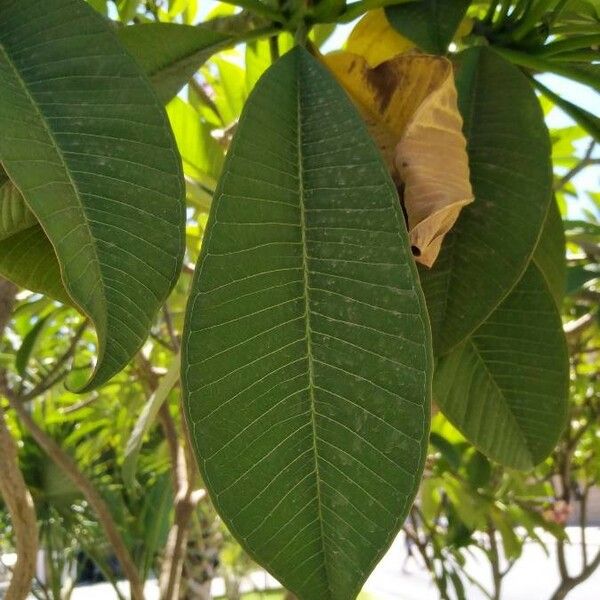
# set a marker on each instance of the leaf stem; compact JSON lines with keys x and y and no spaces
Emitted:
{"x":274,"y":48}
{"x":584,"y":119}
{"x":541,"y":65}
{"x":577,"y":43}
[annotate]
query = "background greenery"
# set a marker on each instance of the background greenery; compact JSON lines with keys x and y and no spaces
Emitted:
{"x":133,"y":454}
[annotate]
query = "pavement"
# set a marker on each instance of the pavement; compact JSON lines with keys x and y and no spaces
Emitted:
{"x":534,"y":577}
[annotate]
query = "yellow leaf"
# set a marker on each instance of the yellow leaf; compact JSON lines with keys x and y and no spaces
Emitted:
{"x":376,"y":40}
{"x":410,"y":106}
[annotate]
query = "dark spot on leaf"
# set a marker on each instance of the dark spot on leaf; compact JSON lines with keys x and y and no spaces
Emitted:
{"x":384,"y":80}
{"x":416,"y":251}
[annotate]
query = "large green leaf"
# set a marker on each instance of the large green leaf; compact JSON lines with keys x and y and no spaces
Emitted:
{"x":306,"y":353}
{"x":182,"y":49}
{"x":170,"y":54}
{"x":506,"y":387}
{"x":14,"y":212}
{"x":89,"y":146}
{"x":488,"y":249}
{"x":430,"y":24}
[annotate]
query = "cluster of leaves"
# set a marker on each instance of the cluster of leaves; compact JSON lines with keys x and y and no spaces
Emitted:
{"x":309,"y":344}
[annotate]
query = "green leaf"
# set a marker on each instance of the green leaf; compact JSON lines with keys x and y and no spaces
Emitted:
{"x":446,"y":449}
{"x":201,"y":154}
{"x":585,"y":119}
{"x":585,"y":74}
{"x":550,"y":254}
{"x":257,"y":60}
{"x":156,"y":515}
{"x":430,"y":24}
{"x":28,"y":345}
{"x":578,"y":276}
{"x":488,"y":249}
{"x":230,"y":89}
{"x":170,"y":54}
{"x":506,"y":387}
{"x":306,"y":352}
{"x":145,"y":420}
{"x":14,"y":213}
{"x":127,"y":9}
{"x":512,"y":545}
{"x":28,"y":259}
{"x":88,"y":144}
{"x":478,"y":469}
{"x":100,"y":6}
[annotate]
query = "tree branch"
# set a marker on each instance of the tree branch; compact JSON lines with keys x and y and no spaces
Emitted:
{"x":91,"y":494}
{"x":586,"y":161}
{"x":22,"y":513}
{"x":185,"y":497}
{"x":12,"y":485}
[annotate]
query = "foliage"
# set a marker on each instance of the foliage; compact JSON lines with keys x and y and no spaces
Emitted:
{"x":308,"y":338}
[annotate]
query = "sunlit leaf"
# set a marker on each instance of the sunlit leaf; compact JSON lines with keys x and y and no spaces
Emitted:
{"x":306,"y":357}
{"x":201,"y":154}
{"x":88,"y":144}
{"x":26,"y":348}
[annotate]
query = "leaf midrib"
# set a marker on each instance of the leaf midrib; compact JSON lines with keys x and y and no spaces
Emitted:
{"x":505,"y":403}
{"x":60,"y":155}
{"x":308,"y":336}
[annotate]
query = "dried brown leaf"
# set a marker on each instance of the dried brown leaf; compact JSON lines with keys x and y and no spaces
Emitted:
{"x":410,"y":106}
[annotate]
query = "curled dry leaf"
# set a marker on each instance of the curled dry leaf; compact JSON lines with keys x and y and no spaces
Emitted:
{"x":410,"y":106}
{"x":376,"y":40}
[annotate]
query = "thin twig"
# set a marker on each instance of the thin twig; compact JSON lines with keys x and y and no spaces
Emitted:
{"x":59,"y":368}
{"x":585,"y":161}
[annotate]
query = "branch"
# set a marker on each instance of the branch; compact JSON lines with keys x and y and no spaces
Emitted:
{"x":91,"y":494}
{"x":494,"y":556}
{"x":22,"y":513}
{"x":573,"y":328}
{"x":568,"y":583}
{"x":585,"y":161}
{"x":186,"y":501}
{"x":12,"y":485}
{"x":185,"y":497}
{"x":8,"y":291}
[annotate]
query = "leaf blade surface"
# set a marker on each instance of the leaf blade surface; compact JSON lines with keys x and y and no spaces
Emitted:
{"x":306,"y":348}
{"x":87,"y":143}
